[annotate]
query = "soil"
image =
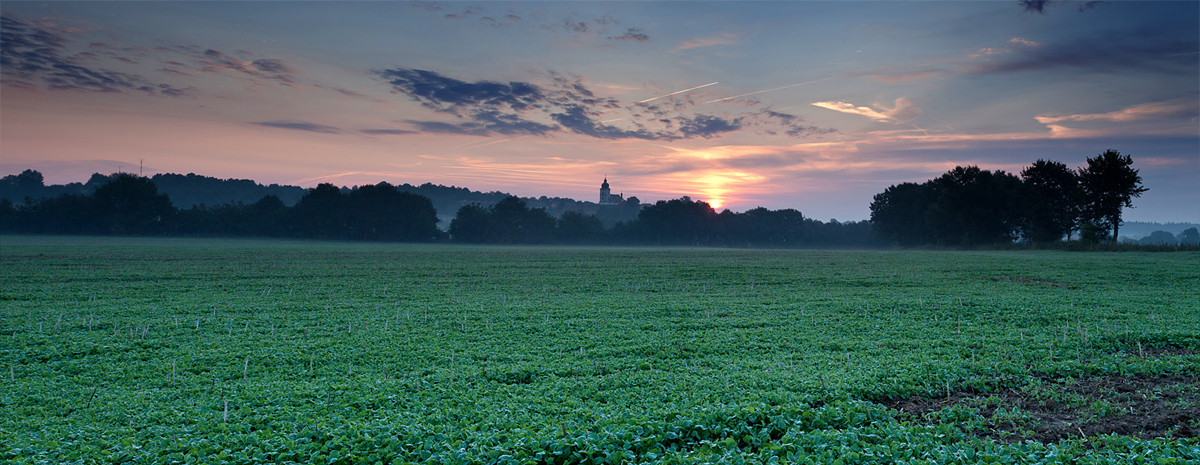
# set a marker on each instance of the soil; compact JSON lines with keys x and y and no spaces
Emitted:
{"x":1049,"y":410}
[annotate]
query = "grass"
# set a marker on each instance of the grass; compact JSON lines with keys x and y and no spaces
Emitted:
{"x":235,"y":351}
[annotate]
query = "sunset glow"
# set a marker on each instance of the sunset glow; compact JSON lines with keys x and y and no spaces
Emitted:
{"x":815,"y":106}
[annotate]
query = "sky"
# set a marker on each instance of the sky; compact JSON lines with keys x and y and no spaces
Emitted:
{"x":812,"y":105}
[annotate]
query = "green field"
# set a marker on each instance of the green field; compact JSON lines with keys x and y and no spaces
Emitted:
{"x":133,"y":350}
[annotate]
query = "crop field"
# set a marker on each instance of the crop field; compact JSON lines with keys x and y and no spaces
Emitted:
{"x":127,"y":350}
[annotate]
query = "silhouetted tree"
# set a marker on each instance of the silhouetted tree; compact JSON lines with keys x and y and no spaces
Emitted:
{"x":899,"y":214}
{"x":760,"y":227}
{"x":381,"y":212}
{"x":470,"y":224}
{"x":1159,"y":238}
{"x":321,"y":213}
{"x":577,"y":228}
{"x":18,"y":187}
{"x":1189,"y":236}
{"x":1110,"y":183}
{"x":1049,"y":204}
{"x":975,"y":207}
{"x":509,"y":221}
{"x":679,"y":221}
{"x":131,"y":204}
{"x":65,"y":214}
{"x":8,"y":216}
{"x":517,"y":223}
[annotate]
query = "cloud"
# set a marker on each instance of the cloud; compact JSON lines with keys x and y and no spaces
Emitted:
{"x":902,"y":110}
{"x":387,"y":132}
{"x":566,"y":104}
{"x":1039,"y":6}
{"x":793,"y":124}
{"x":1183,"y":108}
{"x":576,"y":119}
{"x":1028,"y":43}
{"x":723,"y":39}
{"x":707,"y":126}
{"x":1035,"y":6}
{"x":450,"y":95}
{"x":1148,"y":50}
{"x":300,"y":126}
{"x":486,"y":123}
{"x":632,"y":34}
{"x":32,"y":57}
{"x":214,"y":61}
{"x":271,"y":65}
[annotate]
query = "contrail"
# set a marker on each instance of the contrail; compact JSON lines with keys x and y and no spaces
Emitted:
{"x":680,"y":92}
{"x":618,"y":119}
{"x":496,"y":142}
{"x":768,"y":90}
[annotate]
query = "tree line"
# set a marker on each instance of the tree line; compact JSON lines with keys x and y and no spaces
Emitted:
{"x":969,"y":206}
{"x":677,"y":222}
{"x":128,"y":204}
{"x":131,"y":205}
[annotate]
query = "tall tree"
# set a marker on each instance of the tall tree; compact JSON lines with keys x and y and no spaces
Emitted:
{"x":382,"y":212}
{"x":899,"y":213}
{"x":974,"y":206}
{"x":131,"y":204}
{"x":1109,"y":183}
{"x":1050,"y":197}
{"x":322,"y":212}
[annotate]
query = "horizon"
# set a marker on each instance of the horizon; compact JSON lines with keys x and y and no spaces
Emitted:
{"x":815,"y":106}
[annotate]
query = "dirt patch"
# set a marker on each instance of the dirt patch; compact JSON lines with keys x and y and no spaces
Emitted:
{"x":1028,"y":281}
{"x":1049,"y":410}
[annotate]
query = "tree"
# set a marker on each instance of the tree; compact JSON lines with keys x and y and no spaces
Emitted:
{"x":1049,"y":205}
{"x":898,"y":214}
{"x":1159,"y":238}
{"x":514,"y":222}
{"x":680,"y":221}
{"x":470,"y":224}
{"x":1109,"y":184}
{"x":321,"y":212}
{"x":1189,"y":236}
{"x":975,"y":206}
{"x":131,"y":204}
{"x":575,"y":227}
{"x":382,"y":212}
{"x":18,"y":187}
{"x":509,"y":221}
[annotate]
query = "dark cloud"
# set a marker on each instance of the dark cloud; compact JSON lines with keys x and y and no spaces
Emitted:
{"x":450,"y":95}
{"x":300,"y":126}
{"x":512,"y":17}
{"x":33,"y":57}
{"x":1039,"y":6}
{"x":1148,"y":50}
{"x":567,"y":105}
{"x":707,"y":126}
{"x":486,"y":123}
{"x":171,"y":91}
{"x":577,"y":120}
{"x":271,"y":65}
{"x":387,"y":132}
{"x":1033,"y":5}
{"x":174,"y":72}
{"x":793,"y":125}
{"x":632,"y":34}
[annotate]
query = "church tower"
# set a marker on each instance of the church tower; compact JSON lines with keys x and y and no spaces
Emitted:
{"x":605,"y":193}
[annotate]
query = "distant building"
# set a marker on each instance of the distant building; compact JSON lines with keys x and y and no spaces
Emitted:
{"x":606,"y":196}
